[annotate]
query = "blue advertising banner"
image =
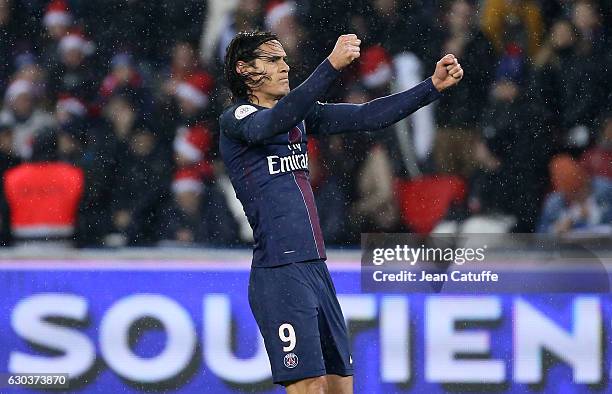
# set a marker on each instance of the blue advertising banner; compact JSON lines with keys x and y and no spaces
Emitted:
{"x":187,"y":328}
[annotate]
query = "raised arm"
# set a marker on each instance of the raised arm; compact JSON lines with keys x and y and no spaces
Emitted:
{"x":383,"y":112}
{"x":293,"y":108}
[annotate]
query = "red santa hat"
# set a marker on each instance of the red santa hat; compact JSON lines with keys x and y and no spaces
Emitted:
{"x":76,"y":40}
{"x":375,"y":67}
{"x":277,"y":10}
{"x":196,"y":89}
{"x":187,"y":180}
{"x":57,"y":14}
{"x":72,"y":105}
{"x":17,"y":88}
{"x":192,"y":143}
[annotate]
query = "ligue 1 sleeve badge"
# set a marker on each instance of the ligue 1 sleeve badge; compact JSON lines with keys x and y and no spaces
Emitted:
{"x":243,"y":111}
{"x":290,"y":360}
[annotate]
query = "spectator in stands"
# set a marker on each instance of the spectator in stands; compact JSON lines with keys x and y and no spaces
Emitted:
{"x":21,"y":108}
{"x":592,"y":47}
{"x":69,"y":110}
{"x":183,"y":65}
{"x":73,"y":74}
{"x":8,"y":159}
{"x":375,"y":70}
{"x":124,"y":78}
{"x":183,"y":220}
{"x":192,"y":151}
{"x":597,"y":161}
{"x":143,"y":179}
{"x":7,"y":41}
{"x":44,"y":194}
{"x":193,"y":96}
{"x":28,"y":69}
{"x":515,"y":153}
{"x":459,"y":126}
{"x":70,"y":113}
{"x":197,"y":213}
{"x":591,"y":40}
{"x":84,"y":145}
{"x":115,"y":130}
{"x":57,"y":21}
{"x":376,"y":206}
{"x":567,"y":90}
{"x":517,"y":22}
{"x":81,"y":144}
{"x":579,"y":202}
{"x":121,"y":116}
{"x":192,"y":121}
{"x":194,"y":186}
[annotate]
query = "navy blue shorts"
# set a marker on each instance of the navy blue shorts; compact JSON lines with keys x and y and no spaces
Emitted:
{"x":300,"y":319}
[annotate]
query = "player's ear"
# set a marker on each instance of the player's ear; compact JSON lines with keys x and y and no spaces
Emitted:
{"x":242,"y":67}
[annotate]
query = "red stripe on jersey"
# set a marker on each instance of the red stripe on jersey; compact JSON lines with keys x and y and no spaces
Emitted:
{"x":301,"y":179}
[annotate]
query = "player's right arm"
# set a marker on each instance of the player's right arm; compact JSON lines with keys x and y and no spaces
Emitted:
{"x":293,"y":108}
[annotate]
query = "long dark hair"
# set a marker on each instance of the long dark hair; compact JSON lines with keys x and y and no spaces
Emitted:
{"x":245,"y":47}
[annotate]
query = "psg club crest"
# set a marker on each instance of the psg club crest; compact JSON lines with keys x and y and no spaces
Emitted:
{"x":290,"y":360}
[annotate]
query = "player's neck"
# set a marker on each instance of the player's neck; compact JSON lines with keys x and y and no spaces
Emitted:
{"x":264,"y":100}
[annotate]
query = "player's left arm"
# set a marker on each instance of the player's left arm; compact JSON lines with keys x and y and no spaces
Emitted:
{"x":384,"y":111}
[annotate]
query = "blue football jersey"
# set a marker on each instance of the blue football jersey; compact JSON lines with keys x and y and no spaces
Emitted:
{"x":264,"y":151}
{"x":271,"y":180}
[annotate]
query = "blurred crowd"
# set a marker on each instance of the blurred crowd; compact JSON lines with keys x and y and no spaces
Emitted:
{"x":108,"y":121}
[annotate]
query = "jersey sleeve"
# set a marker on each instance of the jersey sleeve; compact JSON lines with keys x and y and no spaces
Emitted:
{"x":254,"y":126}
{"x":237,"y":122}
{"x":373,"y":115}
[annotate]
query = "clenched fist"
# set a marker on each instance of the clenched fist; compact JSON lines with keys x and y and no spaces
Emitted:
{"x":448,"y":73}
{"x":345,"y":51}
